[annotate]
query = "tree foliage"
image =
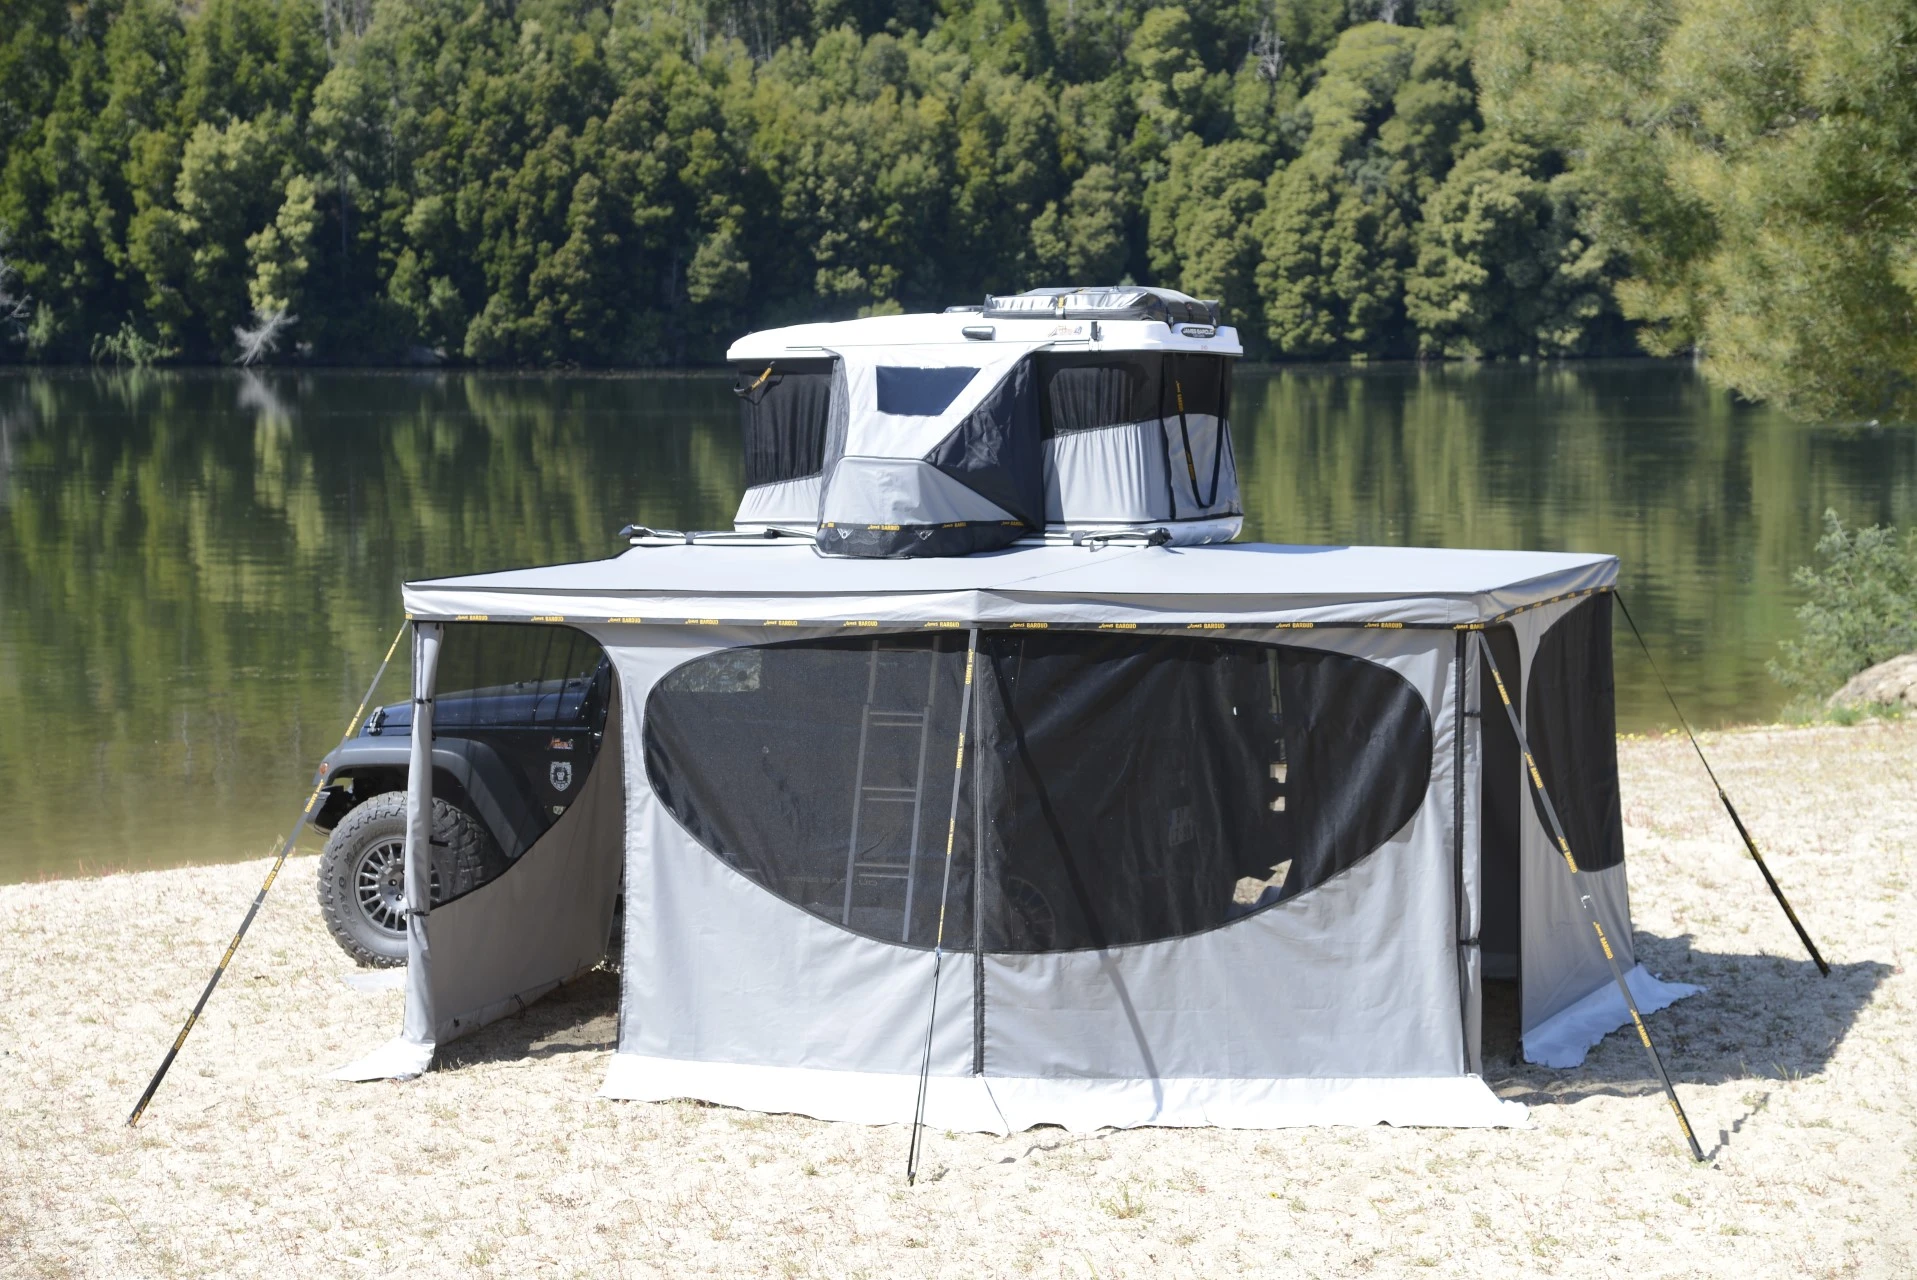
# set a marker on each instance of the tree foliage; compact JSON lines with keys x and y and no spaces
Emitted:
{"x":615,"y":182}
{"x":1860,"y":610}
{"x":1754,"y":165}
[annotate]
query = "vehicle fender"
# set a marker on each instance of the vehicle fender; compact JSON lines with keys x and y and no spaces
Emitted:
{"x":496,"y":797}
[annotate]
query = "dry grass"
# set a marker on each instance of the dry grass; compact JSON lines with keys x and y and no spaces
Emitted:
{"x":503,"y":1162}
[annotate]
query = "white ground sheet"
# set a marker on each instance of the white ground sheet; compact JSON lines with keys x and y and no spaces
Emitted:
{"x":1563,"y":1039}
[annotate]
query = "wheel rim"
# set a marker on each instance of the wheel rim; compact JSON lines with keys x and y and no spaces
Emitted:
{"x":379,"y":886}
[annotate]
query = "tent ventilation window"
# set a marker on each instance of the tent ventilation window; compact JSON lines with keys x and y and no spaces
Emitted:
{"x":1122,"y":788}
{"x":920,"y":393}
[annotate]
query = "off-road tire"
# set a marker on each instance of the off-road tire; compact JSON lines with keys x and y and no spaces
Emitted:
{"x":371,"y":929}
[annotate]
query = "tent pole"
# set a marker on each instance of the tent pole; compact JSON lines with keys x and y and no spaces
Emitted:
{"x":1584,"y":900}
{"x":938,"y":941}
{"x":1803,"y":934}
{"x":286,"y":847}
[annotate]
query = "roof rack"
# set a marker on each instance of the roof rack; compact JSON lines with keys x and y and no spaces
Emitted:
{"x":1104,"y":302}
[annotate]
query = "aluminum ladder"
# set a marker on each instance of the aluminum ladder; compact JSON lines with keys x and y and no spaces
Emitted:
{"x":866,"y":867}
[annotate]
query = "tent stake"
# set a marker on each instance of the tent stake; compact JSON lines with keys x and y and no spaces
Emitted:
{"x":286,"y":847}
{"x":1803,"y":934}
{"x":1584,"y":900}
{"x":945,"y":890}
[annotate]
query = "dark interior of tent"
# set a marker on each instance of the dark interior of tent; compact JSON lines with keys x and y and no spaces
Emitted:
{"x":1117,"y":787}
{"x":1568,"y":705}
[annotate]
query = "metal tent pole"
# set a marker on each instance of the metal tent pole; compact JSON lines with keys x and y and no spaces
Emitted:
{"x":286,"y":847}
{"x":938,"y":942}
{"x":1803,"y":934}
{"x":1584,"y":899}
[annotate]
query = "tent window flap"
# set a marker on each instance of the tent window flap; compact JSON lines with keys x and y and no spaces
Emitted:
{"x":1124,"y":788}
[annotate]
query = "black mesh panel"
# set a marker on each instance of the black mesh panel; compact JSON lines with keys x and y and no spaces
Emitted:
{"x":1571,"y":722}
{"x":823,"y":771}
{"x":1083,"y":392}
{"x":1501,"y":796}
{"x":783,"y":412}
{"x":1129,"y":787}
{"x":1150,"y":787}
{"x":524,"y":707}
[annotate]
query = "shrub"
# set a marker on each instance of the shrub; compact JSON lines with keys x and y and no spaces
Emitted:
{"x":1861,"y":610}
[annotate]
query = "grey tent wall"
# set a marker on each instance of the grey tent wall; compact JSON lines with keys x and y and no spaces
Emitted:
{"x":492,"y":951}
{"x":1358,"y":978}
{"x":419,"y":1020}
{"x":717,"y":969}
{"x":545,"y":919}
{"x":1561,"y":962}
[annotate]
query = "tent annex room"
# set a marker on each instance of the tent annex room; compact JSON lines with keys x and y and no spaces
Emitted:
{"x":1230,"y":835}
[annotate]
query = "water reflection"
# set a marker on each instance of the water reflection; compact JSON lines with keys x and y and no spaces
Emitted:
{"x":199,"y":571}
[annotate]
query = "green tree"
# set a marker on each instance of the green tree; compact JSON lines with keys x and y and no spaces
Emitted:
{"x":1393,"y":105}
{"x":1753,"y":164}
{"x":1503,"y":267}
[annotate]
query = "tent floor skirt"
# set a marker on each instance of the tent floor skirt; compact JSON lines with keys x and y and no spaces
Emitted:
{"x":1002,"y":1104}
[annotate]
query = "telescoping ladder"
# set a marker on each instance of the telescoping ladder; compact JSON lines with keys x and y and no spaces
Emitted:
{"x":883,"y":865}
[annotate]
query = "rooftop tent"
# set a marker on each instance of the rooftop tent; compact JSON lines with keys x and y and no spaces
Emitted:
{"x":1073,"y":412}
{"x":1234,"y":839}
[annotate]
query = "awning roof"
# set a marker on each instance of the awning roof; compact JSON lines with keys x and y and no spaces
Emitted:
{"x":754,"y":583}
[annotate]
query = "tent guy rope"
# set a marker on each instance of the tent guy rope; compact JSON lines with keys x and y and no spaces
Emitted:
{"x":1803,"y":934}
{"x":286,"y":847}
{"x":938,"y":941}
{"x":1584,"y":899}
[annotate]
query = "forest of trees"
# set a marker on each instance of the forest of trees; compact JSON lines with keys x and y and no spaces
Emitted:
{"x":634,"y":182}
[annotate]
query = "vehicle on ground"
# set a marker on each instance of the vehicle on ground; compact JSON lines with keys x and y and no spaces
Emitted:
{"x":507,"y":761}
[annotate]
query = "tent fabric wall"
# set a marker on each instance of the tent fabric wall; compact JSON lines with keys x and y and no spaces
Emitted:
{"x":932,"y":451}
{"x":1564,"y":976}
{"x":1351,"y":986}
{"x":1351,"y":1001}
{"x":555,"y":903}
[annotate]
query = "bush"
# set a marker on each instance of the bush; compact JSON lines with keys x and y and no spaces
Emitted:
{"x":1862,"y":608}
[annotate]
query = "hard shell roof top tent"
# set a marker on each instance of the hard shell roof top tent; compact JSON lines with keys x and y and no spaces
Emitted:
{"x":1060,"y":410}
{"x":1235,"y":836}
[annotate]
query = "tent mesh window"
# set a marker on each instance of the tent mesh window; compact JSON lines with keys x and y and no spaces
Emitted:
{"x":823,"y":770}
{"x":1128,"y":788}
{"x":1149,"y":787}
{"x":1085,"y":392}
{"x":525,"y":706}
{"x":1570,"y":718}
{"x":784,"y":409}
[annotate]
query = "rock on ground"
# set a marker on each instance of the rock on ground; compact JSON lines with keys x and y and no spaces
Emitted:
{"x":1892,"y":683}
{"x":503,"y":1162}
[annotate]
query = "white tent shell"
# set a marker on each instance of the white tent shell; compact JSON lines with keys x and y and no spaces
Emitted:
{"x":1350,"y":994}
{"x":1060,"y":411}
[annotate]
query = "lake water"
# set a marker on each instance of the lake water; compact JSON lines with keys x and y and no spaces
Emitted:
{"x":199,"y":571}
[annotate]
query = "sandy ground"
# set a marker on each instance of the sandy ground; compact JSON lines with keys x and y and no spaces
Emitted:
{"x":504,"y":1162}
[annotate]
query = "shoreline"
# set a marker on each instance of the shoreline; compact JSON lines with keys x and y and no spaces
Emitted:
{"x":502,"y":1160}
